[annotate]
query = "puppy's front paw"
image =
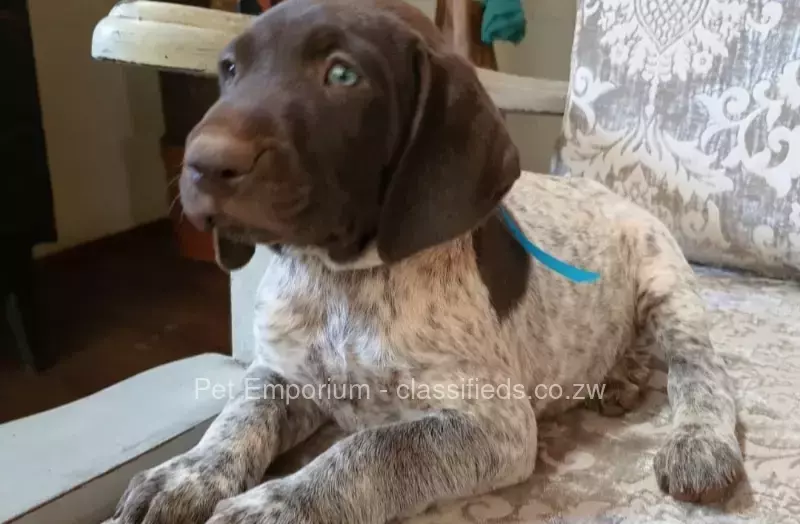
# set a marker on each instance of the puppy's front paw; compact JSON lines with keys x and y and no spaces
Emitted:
{"x":274,"y":502}
{"x":183,"y":490}
{"x":699,"y":464}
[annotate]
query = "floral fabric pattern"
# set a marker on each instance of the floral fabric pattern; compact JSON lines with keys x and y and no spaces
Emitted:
{"x":691,"y":108}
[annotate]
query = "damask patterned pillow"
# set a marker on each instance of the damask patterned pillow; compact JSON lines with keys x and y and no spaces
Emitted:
{"x":691,"y":108}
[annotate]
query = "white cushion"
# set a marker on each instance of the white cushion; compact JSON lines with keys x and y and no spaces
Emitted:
{"x":70,"y":464}
{"x":244,"y":286}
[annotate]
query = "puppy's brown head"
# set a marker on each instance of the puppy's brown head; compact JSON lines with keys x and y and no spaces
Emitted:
{"x":341,"y":123}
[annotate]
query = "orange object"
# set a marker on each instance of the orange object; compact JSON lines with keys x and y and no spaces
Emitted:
{"x":192,"y":243}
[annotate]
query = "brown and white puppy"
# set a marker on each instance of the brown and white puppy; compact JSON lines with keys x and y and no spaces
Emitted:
{"x":350,"y":138}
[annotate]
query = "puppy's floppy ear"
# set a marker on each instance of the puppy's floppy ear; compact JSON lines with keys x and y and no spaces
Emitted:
{"x":458,"y":163}
{"x":231,"y":255}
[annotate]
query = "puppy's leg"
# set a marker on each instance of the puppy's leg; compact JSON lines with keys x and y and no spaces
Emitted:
{"x":625,"y":383}
{"x":396,"y":470}
{"x":702,"y":457}
{"x":232,"y":456}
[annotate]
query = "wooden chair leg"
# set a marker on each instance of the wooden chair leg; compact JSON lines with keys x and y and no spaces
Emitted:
{"x":461,"y":21}
{"x":17,"y":322}
{"x":19,"y":308}
{"x":255,"y":7}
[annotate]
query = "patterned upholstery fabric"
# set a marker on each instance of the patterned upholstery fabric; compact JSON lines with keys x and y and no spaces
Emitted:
{"x":691,"y":108}
{"x":598,"y":470}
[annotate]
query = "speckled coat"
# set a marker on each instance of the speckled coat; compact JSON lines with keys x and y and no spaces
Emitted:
{"x":440,"y":298}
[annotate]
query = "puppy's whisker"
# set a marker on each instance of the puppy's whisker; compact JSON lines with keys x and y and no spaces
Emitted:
{"x":175,"y":202}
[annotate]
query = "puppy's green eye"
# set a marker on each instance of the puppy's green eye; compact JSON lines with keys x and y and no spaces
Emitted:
{"x":341,"y":75}
{"x":228,"y":68}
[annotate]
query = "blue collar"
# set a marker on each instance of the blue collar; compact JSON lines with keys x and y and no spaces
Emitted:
{"x":571,"y":272}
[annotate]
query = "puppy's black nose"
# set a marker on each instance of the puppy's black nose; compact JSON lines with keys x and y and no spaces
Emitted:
{"x":215,"y":159}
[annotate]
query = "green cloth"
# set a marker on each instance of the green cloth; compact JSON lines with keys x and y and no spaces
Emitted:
{"x":502,"y":20}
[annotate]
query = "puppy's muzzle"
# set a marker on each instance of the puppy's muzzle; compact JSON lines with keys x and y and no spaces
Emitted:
{"x":216,"y":162}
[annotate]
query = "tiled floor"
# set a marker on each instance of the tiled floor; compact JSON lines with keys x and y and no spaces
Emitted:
{"x":113,"y":309}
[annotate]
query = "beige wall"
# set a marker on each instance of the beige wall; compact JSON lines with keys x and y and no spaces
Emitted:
{"x":102,"y":125}
{"x":544,"y":53}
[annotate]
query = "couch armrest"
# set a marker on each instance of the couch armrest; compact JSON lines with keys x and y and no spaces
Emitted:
{"x":244,"y":285}
{"x":71,"y":464}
